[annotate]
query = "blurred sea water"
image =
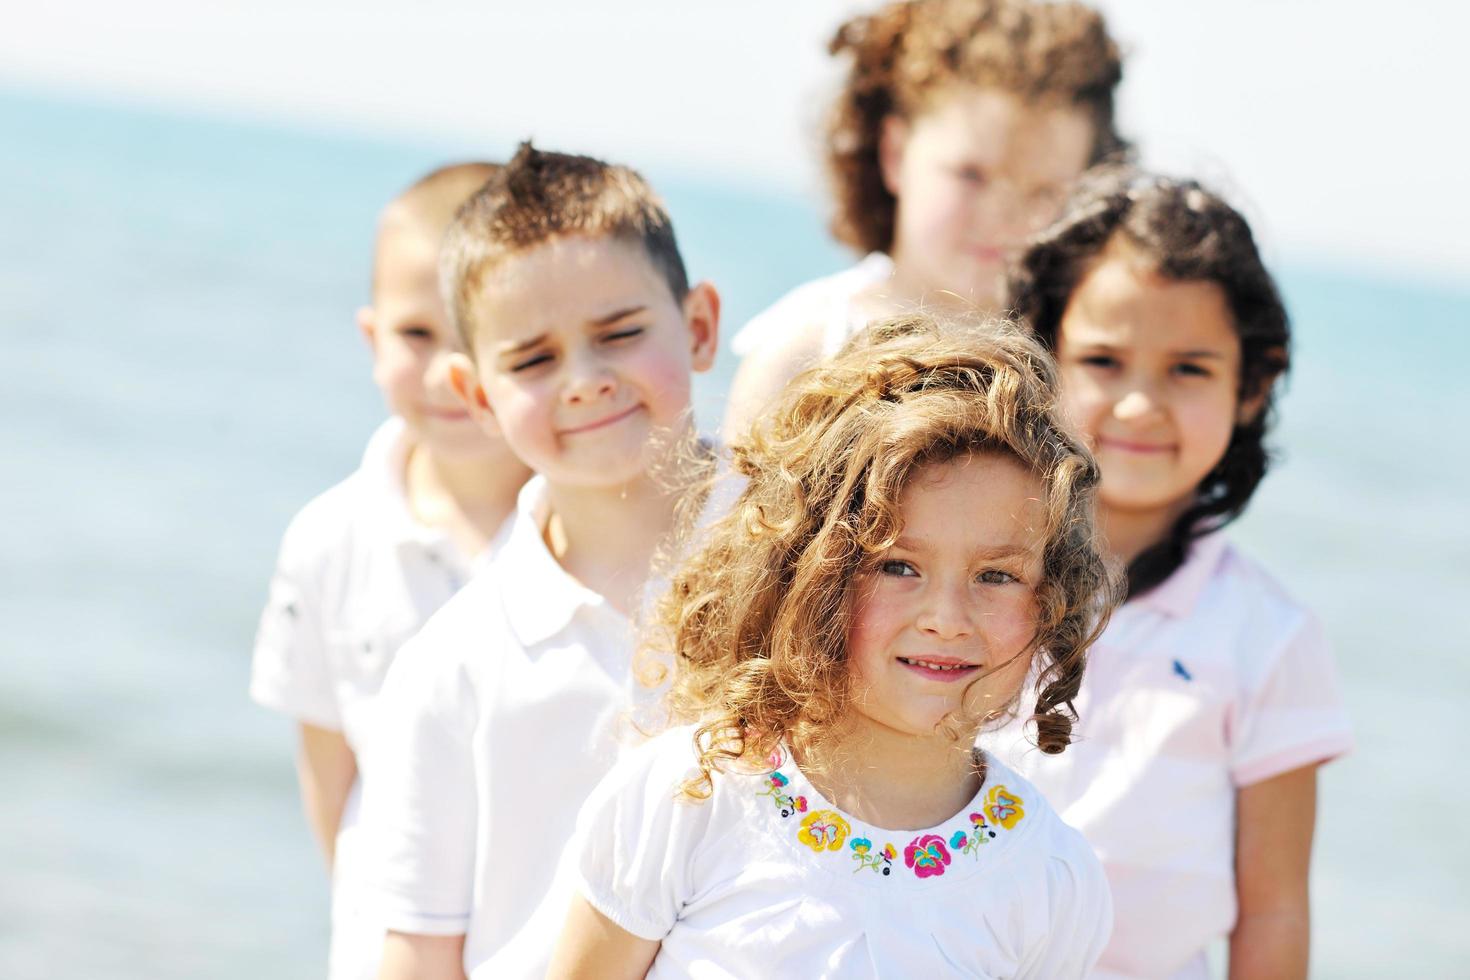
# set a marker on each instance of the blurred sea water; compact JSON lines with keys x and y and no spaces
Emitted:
{"x":181,"y":373}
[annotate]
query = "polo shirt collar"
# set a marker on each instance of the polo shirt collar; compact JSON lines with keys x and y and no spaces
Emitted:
{"x":1178,"y":594}
{"x":384,"y":462}
{"x":540,"y":598}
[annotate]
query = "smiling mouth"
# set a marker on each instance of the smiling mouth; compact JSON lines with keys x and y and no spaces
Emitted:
{"x":601,"y":423}
{"x":945,"y":670}
{"x":1126,"y":446}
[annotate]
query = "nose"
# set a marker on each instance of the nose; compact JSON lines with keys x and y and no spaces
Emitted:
{"x":1139,"y":402}
{"x":947,"y":612}
{"x":588,"y":380}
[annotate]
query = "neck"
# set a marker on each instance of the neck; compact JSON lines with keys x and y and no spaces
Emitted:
{"x":906,"y":290}
{"x":1128,"y":533}
{"x":891,"y":779}
{"x":468,"y":498}
{"x":606,"y":537}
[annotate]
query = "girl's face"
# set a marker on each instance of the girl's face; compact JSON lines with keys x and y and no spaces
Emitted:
{"x":1150,"y":371}
{"x":974,"y":177}
{"x":942,"y":622}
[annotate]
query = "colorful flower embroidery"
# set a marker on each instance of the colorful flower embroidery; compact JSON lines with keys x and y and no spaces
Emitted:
{"x":785,"y":802}
{"x":1003,"y":807}
{"x":882,"y":862}
{"x":927,"y":855}
{"x":824,"y":829}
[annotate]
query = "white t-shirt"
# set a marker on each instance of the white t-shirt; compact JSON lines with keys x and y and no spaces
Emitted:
{"x":766,"y":879}
{"x":497,"y":720}
{"x":356,"y":577}
{"x":1214,"y":680}
{"x":827,"y":303}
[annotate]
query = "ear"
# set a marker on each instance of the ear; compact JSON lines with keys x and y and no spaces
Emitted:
{"x":893,"y":138}
{"x":367,"y":325}
{"x":1251,"y":406}
{"x":702,"y":316}
{"x":465,"y":381}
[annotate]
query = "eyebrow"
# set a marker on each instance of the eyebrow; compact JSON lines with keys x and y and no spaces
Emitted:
{"x":999,"y":551}
{"x":617,"y":315}
{"x":602,"y":321}
{"x":1103,"y":345}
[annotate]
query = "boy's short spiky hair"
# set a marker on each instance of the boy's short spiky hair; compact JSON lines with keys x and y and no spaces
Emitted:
{"x":539,"y":196}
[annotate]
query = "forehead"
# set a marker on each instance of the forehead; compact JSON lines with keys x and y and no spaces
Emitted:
{"x":1122,"y":301}
{"x":988,"y":499}
{"x":1041,"y":141}
{"x":565,"y":283}
{"x":405,"y":262}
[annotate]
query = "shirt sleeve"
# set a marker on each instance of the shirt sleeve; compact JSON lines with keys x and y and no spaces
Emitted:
{"x":289,"y":669}
{"x":1294,"y":714}
{"x":420,"y":806}
{"x":1081,"y":906}
{"x":636,"y":840}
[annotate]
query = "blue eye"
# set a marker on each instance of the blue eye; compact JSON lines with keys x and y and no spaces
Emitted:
{"x":894,"y":567}
{"x":994,"y":576}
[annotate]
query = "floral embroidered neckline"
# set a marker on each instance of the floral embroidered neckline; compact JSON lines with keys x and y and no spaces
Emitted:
{"x":927,"y":855}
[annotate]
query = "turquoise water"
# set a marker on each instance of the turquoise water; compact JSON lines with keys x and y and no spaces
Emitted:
{"x":181,"y":373}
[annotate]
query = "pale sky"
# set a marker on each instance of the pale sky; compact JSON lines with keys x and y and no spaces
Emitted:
{"x":1330,"y":121}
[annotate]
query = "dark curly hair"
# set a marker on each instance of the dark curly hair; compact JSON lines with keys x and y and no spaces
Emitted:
{"x":1191,"y":234}
{"x":755,"y":622}
{"x":901,"y":55}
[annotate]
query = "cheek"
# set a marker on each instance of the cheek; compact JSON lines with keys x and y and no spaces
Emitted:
{"x":1082,"y":400}
{"x":665,"y":380}
{"x":1209,"y":423}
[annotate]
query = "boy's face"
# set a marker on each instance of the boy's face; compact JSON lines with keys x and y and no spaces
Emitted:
{"x":974,"y":177}
{"x":408,"y":331}
{"x":583,"y":358}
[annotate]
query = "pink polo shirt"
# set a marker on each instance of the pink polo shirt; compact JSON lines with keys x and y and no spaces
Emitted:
{"x":1214,"y":680}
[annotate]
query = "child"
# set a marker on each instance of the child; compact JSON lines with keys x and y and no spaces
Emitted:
{"x":958,"y":131}
{"x":1212,"y":699}
{"x":915,"y":535}
{"x":581,"y":334}
{"x":364,"y":564}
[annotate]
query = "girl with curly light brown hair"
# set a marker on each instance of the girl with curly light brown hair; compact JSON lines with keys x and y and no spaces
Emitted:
{"x":958,"y":129}
{"x":913,"y":543}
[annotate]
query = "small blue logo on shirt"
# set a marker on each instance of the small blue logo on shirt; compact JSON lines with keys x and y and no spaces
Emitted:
{"x":1180,"y":669}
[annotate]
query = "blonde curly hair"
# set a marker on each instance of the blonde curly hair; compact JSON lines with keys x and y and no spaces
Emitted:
{"x":755,"y":622}
{"x":901,"y":55}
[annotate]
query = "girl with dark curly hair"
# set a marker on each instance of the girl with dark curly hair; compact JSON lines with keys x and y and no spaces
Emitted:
{"x":913,"y":545}
{"x":1212,"y":698}
{"x":957,"y":132}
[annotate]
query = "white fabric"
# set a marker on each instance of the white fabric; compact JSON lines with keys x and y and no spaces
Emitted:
{"x":733,"y":888}
{"x":356,"y":577}
{"x":497,"y":720}
{"x":827,"y":302}
{"x":1212,"y":681}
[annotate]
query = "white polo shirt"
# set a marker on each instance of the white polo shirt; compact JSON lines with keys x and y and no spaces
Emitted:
{"x":828,"y":304}
{"x":498,"y":719}
{"x":356,"y":577}
{"x":1214,"y":680}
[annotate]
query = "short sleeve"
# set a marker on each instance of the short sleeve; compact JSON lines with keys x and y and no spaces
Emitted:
{"x":289,"y":669}
{"x":1081,"y":912}
{"x":419,"y":793}
{"x":1293,"y":715}
{"x":636,"y":840}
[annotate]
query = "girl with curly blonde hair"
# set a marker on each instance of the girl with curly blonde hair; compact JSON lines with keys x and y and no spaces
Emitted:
{"x":958,"y":129}
{"x":914,"y":545}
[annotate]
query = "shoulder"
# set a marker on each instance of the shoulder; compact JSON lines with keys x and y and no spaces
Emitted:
{"x":1244,"y":601}
{"x":804,"y":306}
{"x":1072,"y":869}
{"x":336,"y":522}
